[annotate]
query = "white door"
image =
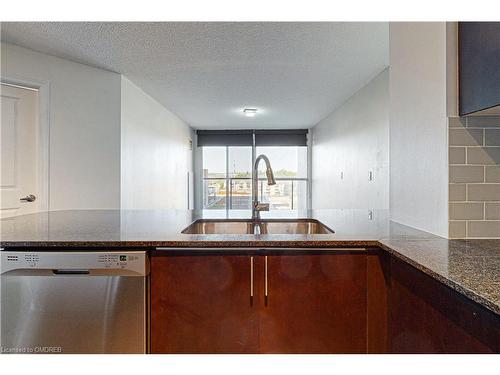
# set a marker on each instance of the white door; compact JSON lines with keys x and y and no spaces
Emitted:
{"x":18,"y":139}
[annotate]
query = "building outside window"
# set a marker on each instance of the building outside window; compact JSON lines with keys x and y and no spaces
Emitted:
{"x":290,"y":171}
{"x":227,"y":176}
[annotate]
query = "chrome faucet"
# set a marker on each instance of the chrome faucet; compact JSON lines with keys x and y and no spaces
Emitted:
{"x":256,"y":205}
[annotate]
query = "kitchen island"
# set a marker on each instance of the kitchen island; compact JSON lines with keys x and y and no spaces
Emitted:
{"x":372,"y":286}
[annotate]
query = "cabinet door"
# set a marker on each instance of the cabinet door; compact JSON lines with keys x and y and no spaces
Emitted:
{"x":315,"y":304}
{"x":428,"y":317}
{"x":202,"y":304}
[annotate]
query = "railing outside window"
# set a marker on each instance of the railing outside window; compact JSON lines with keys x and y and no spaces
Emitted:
{"x":236,"y":193}
{"x":227,"y":182}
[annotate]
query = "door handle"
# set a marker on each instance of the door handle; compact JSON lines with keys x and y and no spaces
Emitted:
{"x":251,"y":281}
{"x":70,"y":272}
{"x":266,"y":289}
{"x":28,"y":198}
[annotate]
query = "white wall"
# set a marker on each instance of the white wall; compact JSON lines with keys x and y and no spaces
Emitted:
{"x":418,"y":126}
{"x":156,"y":157}
{"x":452,"y":69}
{"x":354,"y":139}
{"x":84,"y":110}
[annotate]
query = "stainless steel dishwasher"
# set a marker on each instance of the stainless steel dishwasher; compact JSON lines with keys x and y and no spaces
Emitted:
{"x":74,"y":302}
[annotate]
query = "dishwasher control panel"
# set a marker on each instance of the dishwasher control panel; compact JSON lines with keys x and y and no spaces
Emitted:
{"x":21,"y":258}
{"x":117,"y":260}
{"x":133,"y":261}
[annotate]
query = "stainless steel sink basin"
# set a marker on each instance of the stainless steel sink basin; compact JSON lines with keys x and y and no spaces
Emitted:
{"x":269,"y":226}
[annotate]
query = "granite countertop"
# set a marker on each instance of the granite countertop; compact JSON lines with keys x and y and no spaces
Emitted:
{"x":471,"y":267}
{"x":162,"y":228}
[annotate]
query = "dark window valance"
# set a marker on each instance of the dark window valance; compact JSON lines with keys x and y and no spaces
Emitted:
{"x":225,"y":137}
{"x":278,"y":137}
{"x":293,"y":137}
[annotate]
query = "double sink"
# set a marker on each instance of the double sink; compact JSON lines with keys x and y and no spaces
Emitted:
{"x":266,"y":226}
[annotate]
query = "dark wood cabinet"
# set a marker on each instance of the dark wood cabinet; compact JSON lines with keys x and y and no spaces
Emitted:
{"x":377,"y":300}
{"x":339,"y":301}
{"x":314,"y":304}
{"x":201,"y":304}
{"x":429,"y":317}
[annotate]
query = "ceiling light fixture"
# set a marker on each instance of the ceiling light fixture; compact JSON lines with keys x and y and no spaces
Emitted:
{"x":250,"y":112}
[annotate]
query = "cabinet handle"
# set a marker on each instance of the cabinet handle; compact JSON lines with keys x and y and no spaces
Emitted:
{"x":251,"y":280}
{"x":266,"y":290}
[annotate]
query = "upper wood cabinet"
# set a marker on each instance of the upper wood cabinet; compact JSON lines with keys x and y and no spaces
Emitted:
{"x":301,"y":303}
{"x":479,"y":67}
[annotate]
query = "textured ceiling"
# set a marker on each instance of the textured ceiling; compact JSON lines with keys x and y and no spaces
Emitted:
{"x":206,"y":73}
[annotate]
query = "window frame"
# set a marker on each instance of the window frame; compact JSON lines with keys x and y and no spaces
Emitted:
{"x":229,"y":180}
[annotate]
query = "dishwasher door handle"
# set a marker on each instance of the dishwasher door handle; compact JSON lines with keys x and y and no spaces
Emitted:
{"x":60,"y":272}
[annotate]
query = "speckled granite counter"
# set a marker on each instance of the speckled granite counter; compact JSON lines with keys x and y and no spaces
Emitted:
{"x":471,"y":267}
{"x":110,"y":229}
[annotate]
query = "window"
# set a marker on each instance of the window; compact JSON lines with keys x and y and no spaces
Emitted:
{"x":240,"y":177}
{"x":290,"y":171}
{"x":214,"y":177}
{"x":227,"y":173}
{"x":227,"y":177}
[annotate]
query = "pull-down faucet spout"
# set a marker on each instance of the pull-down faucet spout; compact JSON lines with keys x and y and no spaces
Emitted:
{"x":256,"y":205}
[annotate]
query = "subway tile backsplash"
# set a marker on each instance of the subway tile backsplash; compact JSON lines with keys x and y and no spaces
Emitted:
{"x":458,"y":193}
{"x":492,"y":174}
{"x":466,"y":211}
{"x":466,"y":137}
{"x":474,"y":176}
{"x":466,"y":173}
{"x":492,"y":137}
{"x":483,"y":155}
{"x":483,"y":229}
{"x":492,"y":211}
{"x":483,"y":192}
{"x":478,"y":121}
{"x":458,"y":229}
{"x":457,"y":155}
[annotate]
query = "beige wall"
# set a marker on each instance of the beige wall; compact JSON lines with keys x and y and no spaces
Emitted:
{"x":156,"y":157}
{"x":349,"y":144}
{"x":418,"y":125}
